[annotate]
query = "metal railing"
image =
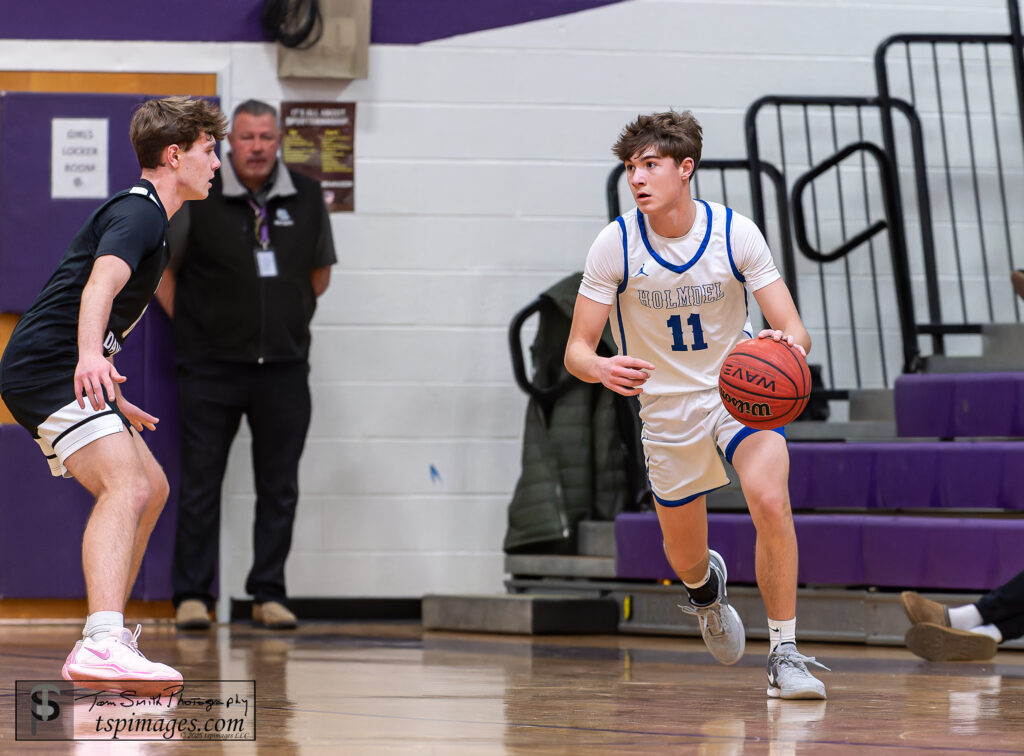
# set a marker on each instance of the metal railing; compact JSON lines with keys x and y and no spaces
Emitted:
{"x":962,"y":86}
{"x":858,"y":300}
{"x":859,"y":309}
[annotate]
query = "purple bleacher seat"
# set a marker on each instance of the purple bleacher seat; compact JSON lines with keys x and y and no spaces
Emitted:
{"x":947,"y":405}
{"x":847,"y":549}
{"x":896,"y":475}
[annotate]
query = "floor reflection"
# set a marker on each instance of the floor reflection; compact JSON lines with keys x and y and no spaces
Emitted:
{"x":389,"y":689}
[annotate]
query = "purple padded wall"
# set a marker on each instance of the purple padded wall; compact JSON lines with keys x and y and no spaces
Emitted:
{"x":30,"y":249}
{"x":392,"y":21}
{"x":42,"y":518}
{"x":41,"y":523}
{"x":847,"y":549}
{"x":960,"y":404}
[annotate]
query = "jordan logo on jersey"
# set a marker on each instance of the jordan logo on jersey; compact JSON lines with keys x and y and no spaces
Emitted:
{"x":681,"y":296}
{"x":640,"y":272}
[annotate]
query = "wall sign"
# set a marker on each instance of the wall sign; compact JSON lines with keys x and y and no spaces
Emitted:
{"x":318,"y":139}
{"x":79,"y":159}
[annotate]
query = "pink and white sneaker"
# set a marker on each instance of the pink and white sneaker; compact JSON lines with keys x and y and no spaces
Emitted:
{"x":115,"y":657}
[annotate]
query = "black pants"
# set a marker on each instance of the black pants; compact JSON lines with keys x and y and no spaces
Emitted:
{"x":212,"y":397}
{"x":1004,"y":607}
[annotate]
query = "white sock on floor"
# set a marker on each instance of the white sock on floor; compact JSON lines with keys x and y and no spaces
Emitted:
{"x":781,"y":631}
{"x":964,"y":617}
{"x":990,"y":630}
{"x":99,"y":625}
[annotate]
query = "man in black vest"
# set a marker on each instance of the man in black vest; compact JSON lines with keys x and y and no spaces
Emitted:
{"x":246,"y":268}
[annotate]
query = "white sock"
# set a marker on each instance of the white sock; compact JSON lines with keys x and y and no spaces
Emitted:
{"x":964,"y":617}
{"x":99,"y":625}
{"x":781,"y":631}
{"x":990,"y":630}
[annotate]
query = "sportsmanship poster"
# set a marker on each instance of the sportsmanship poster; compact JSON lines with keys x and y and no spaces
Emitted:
{"x":318,"y":140}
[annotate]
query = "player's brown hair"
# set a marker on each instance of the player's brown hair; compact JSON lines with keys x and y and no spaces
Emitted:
{"x":671,"y":134}
{"x":179,"y":120}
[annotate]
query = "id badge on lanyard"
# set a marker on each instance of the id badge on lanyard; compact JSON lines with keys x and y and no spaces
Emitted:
{"x":266,"y":261}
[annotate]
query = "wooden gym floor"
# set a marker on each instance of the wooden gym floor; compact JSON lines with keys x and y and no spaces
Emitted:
{"x":389,"y":688}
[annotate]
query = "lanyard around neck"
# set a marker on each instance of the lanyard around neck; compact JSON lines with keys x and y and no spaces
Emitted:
{"x":262,"y":230}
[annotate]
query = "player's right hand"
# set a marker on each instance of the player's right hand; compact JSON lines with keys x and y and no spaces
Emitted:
{"x":623,"y":374}
{"x":95,"y":374}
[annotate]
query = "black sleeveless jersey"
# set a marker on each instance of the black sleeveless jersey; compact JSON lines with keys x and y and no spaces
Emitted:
{"x":131,"y":225}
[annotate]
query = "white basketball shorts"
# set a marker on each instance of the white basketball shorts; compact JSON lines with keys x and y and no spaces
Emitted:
{"x":682,"y":435}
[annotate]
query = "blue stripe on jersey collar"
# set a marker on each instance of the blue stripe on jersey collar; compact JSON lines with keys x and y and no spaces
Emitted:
{"x":665,"y":263}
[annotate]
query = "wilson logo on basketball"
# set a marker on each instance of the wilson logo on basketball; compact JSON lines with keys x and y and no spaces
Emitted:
{"x":752,"y":409}
{"x":764,"y":383}
{"x":755,"y":379}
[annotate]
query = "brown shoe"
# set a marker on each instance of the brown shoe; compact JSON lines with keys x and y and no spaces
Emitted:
{"x":274,"y":615}
{"x":920,"y":609}
{"x":1017,"y":279}
{"x":192,"y":614}
{"x":937,"y":643}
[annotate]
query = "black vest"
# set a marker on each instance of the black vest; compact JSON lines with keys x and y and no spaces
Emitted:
{"x":223,"y":310}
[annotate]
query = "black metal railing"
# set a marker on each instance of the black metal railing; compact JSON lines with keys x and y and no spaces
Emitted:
{"x":858,"y":308}
{"x":867,"y":312}
{"x":962,"y":85}
{"x":897,"y":244}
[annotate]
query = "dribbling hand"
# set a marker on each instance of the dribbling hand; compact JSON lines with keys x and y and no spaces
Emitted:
{"x":768,"y":333}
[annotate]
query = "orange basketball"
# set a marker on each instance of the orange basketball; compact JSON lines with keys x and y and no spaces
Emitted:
{"x":764,"y":383}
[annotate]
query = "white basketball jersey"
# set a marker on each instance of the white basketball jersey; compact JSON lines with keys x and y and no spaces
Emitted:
{"x":682,"y":317}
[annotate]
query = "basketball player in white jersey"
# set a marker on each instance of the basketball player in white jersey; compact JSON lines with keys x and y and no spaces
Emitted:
{"x":673,"y":275}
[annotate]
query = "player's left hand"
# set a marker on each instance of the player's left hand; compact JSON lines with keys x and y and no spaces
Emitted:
{"x":136,"y":416}
{"x":768,"y":333}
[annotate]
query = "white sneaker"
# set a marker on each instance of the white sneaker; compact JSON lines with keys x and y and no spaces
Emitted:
{"x":788,"y":676}
{"x":115,"y":657}
{"x":720,"y":624}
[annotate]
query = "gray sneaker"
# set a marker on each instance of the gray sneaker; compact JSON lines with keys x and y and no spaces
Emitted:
{"x":720,"y":624}
{"x":788,"y":676}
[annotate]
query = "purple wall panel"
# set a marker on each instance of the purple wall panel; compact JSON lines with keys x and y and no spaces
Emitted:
{"x":392,"y":21}
{"x":42,"y":520}
{"x":159,"y":398}
{"x":186,"y":20}
{"x":414,"y":21}
{"x":30,"y":246}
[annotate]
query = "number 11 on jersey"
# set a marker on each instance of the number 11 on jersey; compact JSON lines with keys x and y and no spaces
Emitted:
{"x":675,"y":323}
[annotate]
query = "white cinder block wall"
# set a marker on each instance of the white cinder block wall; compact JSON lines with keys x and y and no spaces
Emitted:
{"x":480,"y":169}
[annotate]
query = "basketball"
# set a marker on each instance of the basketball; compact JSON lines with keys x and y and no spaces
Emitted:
{"x":764,"y":383}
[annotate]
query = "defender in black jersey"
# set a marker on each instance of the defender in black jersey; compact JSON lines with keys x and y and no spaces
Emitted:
{"x":57,"y":375}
